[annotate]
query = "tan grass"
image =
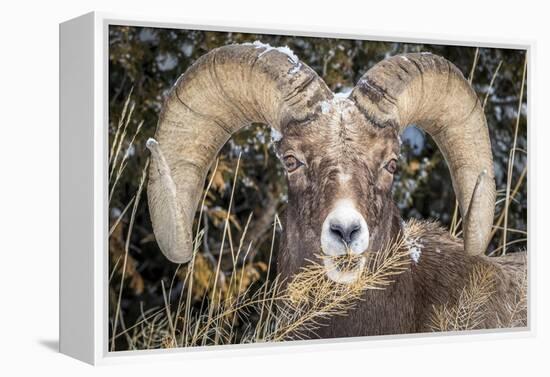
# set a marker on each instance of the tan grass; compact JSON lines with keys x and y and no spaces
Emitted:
{"x":472,"y":306}
{"x":126,"y":249}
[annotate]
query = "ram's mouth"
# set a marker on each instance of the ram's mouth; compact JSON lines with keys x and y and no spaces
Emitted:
{"x":345,"y":269}
{"x":347,"y":263}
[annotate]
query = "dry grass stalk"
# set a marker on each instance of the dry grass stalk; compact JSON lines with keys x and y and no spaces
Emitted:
{"x":511,"y":161}
{"x":126,"y":249}
{"x":472,"y":305}
{"x":518,"y":305}
{"x":495,"y":74}
{"x":121,"y":127}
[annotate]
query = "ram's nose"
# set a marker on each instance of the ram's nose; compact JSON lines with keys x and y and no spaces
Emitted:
{"x":344,"y":230}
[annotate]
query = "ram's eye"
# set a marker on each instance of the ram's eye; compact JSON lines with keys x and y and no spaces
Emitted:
{"x":391,"y":166}
{"x":291,"y":163}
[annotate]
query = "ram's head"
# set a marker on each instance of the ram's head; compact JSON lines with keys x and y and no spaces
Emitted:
{"x":340,"y":152}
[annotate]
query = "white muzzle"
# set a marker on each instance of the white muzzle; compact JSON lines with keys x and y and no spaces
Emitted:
{"x":344,"y":231}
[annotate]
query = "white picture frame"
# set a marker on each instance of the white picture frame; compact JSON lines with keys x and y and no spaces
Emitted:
{"x":84,"y":181}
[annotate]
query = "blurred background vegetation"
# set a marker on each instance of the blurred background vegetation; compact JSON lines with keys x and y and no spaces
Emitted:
{"x":144,"y":63}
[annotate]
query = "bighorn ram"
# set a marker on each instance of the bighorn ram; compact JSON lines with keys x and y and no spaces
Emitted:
{"x":340,"y":155}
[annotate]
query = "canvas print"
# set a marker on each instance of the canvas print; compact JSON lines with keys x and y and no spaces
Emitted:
{"x":271,"y":188}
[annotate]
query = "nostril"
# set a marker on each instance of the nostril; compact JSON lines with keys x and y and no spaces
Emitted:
{"x":354,"y":231}
{"x":345,"y":233}
{"x":338,"y":231}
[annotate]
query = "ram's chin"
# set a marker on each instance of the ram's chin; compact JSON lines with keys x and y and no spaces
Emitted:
{"x":346,"y":273}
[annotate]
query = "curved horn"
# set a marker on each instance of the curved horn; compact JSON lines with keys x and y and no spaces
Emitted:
{"x":223,"y":91}
{"x":431,"y":93}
